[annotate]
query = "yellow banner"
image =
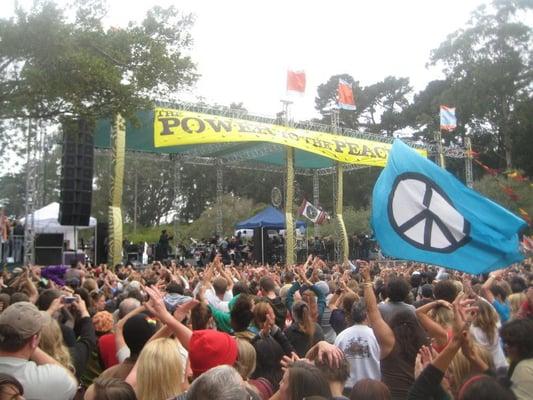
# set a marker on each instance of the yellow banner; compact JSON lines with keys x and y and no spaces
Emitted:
{"x":178,"y":127}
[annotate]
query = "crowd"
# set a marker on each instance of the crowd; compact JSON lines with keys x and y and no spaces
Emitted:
{"x":316,"y":330}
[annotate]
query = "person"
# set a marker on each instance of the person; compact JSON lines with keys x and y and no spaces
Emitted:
{"x":109,"y":389}
{"x":360,"y":346}
{"x":10,"y":388}
{"x":496,"y":295}
{"x":336,"y":374}
{"x":41,"y":376}
{"x":219,"y":383}
{"x":267,"y":288}
{"x":302,"y":380}
{"x":369,"y":389}
{"x":303,"y":333}
{"x":397,"y":292}
{"x":426,"y":295}
{"x":270,"y":345}
{"x":437,"y":318}
{"x":399,"y":342}
{"x":160,"y":370}
{"x":164,"y":243}
{"x":484,"y":331}
{"x":517,"y":336}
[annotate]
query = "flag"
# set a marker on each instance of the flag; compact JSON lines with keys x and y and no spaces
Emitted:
{"x":448,"y":122}
{"x":296,"y":81}
{"x":312,"y":213}
{"x":421,"y":212}
{"x":345,"y":99}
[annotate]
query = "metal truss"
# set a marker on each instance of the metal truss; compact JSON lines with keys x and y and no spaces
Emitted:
{"x":34,"y":144}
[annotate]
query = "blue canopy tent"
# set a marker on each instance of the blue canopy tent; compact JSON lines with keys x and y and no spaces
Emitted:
{"x":269,"y":218}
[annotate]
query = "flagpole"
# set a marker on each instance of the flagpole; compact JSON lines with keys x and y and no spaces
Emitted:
{"x":469,"y":175}
{"x":440,"y":153}
{"x":289,"y":195}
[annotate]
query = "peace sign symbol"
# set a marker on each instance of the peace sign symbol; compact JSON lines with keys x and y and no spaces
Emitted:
{"x":422,"y":214}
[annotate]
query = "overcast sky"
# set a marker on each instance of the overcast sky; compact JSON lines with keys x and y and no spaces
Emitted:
{"x":243,"y":48}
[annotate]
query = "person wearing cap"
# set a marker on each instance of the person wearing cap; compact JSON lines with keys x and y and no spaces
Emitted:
{"x":41,"y":376}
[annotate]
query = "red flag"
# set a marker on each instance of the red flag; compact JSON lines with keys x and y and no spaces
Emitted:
{"x":345,"y":97}
{"x":296,"y":81}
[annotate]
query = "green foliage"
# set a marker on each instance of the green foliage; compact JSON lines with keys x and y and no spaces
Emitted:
{"x":52,"y":67}
{"x":357,"y":221}
{"x":489,"y":186}
{"x":234,"y":209}
{"x":488,"y":65}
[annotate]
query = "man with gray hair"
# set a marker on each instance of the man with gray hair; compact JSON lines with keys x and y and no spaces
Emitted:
{"x":219,"y":383}
{"x":360,"y":346}
{"x":41,"y":376}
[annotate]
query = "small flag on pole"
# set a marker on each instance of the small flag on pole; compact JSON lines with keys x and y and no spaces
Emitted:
{"x":448,"y":121}
{"x":421,"y":212}
{"x":296,"y":81}
{"x":312,"y":213}
{"x":345,"y":99}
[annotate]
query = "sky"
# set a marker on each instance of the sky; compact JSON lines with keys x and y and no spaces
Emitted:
{"x":244,"y":48}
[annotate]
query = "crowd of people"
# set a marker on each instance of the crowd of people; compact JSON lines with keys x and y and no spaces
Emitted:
{"x":315,"y":330}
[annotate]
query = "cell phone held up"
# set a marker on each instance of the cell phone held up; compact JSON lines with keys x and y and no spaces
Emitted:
{"x":69,"y":299}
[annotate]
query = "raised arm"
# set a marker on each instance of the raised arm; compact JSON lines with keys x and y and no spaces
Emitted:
{"x":434,"y":330}
{"x":383,"y":332}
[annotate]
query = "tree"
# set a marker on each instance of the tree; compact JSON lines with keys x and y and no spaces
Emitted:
{"x":488,"y":65}
{"x":52,"y":67}
{"x":382,"y":103}
{"x":327,"y":99}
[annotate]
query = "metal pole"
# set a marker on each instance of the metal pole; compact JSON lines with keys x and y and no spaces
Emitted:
{"x":220,"y":193}
{"x":177,"y":192}
{"x":469,"y":175}
{"x":262,"y":246}
{"x":31,"y":194}
{"x":316,"y":199}
{"x":290,"y":239}
{"x":440,"y":153}
{"x":135,"y":193}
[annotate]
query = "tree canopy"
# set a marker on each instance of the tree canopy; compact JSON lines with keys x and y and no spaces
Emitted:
{"x":53,"y":66}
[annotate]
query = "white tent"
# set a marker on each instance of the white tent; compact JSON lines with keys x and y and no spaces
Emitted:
{"x":46,"y":221}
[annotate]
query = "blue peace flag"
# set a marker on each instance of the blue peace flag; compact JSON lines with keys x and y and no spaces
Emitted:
{"x":421,"y":212}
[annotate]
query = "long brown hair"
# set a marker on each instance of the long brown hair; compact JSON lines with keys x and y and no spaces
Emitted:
{"x":486,"y":320}
{"x":301,"y":313}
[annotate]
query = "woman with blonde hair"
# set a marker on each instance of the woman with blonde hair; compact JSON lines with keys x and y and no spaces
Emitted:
{"x":245,"y":366}
{"x":437,"y":319}
{"x":515,"y":301}
{"x":484,"y":331}
{"x":51,"y":342}
{"x":159,"y":370}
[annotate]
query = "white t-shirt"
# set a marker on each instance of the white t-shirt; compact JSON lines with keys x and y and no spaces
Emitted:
{"x":495,"y":348}
{"x":361,"y":349}
{"x":522,"y":379}
{"x":44,"y":382}
{"x":214,"y":300}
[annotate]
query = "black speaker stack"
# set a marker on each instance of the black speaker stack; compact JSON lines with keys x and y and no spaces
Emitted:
{"x":76,"y":173}
{"x":49,"y":249}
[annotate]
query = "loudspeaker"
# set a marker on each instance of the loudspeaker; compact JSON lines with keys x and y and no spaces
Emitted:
{"x":49,"y":240}
{"x":257,"y":245}
{"x":102,"y":248}
{"x":49,"y":256}
{"x":48,"y":249}
{"x":76,"y":173}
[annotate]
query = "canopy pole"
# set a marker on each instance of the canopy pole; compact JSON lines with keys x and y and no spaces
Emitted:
{"x":468,"y":163}
{"x":220,"y":193}
{"x":343,"y":235}
{"x":290,"y":239}
{"x":118,"y":149}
